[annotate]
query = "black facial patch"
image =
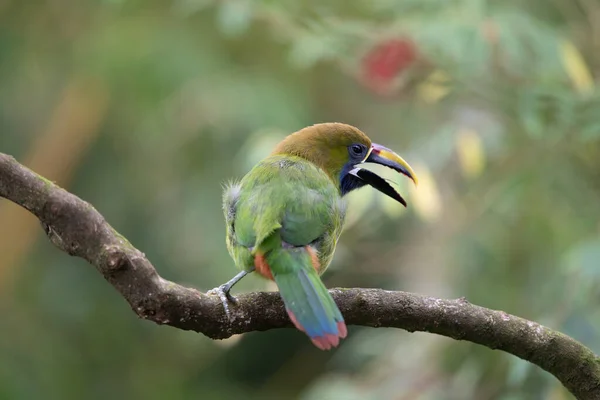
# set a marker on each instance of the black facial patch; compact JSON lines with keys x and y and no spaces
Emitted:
{"x":349,"y":182}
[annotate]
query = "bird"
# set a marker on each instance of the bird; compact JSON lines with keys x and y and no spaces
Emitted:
{"x":285,"y":216}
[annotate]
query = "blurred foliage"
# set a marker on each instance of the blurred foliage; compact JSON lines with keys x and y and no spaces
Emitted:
{"x":145,"y":109}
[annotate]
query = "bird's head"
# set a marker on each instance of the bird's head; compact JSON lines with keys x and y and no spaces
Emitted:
{"x":339,"y":150}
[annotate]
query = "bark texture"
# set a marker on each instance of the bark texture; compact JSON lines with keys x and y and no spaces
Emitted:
{"x":74,"y":226}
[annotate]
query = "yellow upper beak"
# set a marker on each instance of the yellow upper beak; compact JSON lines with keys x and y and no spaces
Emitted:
{"x":384,"y":156}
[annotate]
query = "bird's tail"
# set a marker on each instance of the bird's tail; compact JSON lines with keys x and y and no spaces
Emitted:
{"x":308,"y":303}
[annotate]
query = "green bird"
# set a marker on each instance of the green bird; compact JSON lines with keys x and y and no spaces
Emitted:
{"x":285,"y":216}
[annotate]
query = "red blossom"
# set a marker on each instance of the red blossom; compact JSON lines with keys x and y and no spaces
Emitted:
{"x":386,"y":61}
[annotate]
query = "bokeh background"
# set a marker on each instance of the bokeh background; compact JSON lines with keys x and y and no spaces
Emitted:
{"x":146,"y":108}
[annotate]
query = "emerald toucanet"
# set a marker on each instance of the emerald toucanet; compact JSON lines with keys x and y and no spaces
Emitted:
{"x":285,"y":216}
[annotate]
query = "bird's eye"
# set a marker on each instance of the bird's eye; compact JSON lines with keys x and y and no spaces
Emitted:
{"x":356,"y":149}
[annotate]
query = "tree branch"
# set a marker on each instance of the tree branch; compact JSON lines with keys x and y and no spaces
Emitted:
{"x":75,"y":227}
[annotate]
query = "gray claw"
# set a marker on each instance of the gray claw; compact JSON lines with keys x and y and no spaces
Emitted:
{"x":223,"y":291}
{"x":225,"y":298}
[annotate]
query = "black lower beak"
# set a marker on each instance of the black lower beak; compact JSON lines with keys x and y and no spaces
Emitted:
{"x":378,"y":183}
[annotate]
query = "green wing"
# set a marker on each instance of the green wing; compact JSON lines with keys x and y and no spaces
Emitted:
{"x":285,"y":194}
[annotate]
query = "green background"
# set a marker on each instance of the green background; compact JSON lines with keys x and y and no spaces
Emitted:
{"x":146,"y":108}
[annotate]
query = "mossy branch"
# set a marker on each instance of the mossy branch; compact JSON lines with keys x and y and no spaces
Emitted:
{"x":75,"y":227}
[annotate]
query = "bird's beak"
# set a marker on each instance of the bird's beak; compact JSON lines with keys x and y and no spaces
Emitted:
{"x":383,"y":156}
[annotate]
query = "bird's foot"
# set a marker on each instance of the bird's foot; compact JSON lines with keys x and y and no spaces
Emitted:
{"x":223,"y":291}
{"x":226,"y":297}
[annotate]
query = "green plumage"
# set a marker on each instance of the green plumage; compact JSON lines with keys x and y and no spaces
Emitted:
{"x":285,"y":209}
{"x":285,"y":216}
{"x":287,"y":196}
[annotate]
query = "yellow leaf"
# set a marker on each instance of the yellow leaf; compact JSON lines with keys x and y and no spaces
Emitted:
{"x":576,"y":67}
{"x":426,"y":200}
{"x":434,"y":88}
{"x":471,"y":153}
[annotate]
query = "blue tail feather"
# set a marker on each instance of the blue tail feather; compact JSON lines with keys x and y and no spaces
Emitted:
{"x":309,"y":304}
